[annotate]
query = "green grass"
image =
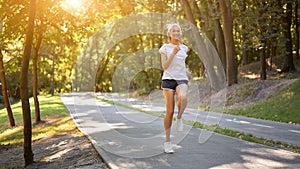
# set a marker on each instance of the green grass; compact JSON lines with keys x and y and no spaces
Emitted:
{"x":55,"y":116}
{"x":247,"y":137}
{"x":284,"y":107}
{"x":241,"y":93}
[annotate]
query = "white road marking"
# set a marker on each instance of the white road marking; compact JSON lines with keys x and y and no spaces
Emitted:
{"x":213,"y":117}
{"x":261,"y":125}
{"x":238,"y":121}
{"x":245,"y":122}
{"x":295,"y":131}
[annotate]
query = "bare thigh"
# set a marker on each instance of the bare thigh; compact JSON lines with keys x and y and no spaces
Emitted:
{"x":169,"y":99}
{"x":182,"y":90}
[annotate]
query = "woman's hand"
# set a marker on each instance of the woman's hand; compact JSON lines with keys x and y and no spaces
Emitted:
{"x":189,"y":74}
{"x":175,"y":50}
{"x":165,"y":61}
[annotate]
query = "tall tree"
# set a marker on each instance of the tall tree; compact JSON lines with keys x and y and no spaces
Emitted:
{"x":231,"y":72}
{"x":4,"y":92}
{"x":199,"y":17}
{"x":288,"y":65}
{"x":35,"y":78}
{"x":244,"y":36}
{"x":4,"y":85}
{"x":297,"y":28}
{"x":7,"y":34}
{"x":263,"y":46}
{"x":220,"y":42}
{"x":201,"y":49}
{"x":38,"y":41}
{"x":263,"y":64}
{"x":28,"y":154}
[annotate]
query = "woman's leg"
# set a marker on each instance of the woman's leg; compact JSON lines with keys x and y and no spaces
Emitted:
{"x":181,"y":92}
{"x":169,"y":99}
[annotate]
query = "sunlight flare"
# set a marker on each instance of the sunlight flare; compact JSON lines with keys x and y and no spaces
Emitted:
{"x":75,"y":7}
{"x":72,"y":3}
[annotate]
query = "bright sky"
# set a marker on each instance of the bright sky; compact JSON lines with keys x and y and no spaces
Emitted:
{"x":73,"y":3}
{"x":72,"y":6}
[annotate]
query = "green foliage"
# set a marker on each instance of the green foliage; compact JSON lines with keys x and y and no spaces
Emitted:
{"x":65,"y":31}
{"x":258,"y":25}
{"x":146,"y":81}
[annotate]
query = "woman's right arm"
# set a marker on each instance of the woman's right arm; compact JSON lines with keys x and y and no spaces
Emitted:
{"x":165,"y":61}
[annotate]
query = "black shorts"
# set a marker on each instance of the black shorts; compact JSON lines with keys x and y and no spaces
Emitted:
{"x":171,"y":84}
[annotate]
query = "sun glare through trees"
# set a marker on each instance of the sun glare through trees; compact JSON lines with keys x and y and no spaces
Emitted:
{"x":75,"y":7}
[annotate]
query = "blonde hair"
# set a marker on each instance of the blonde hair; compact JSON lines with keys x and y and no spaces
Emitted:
{"x":170,"y":26}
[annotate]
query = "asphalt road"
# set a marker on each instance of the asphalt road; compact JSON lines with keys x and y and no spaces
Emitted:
{"x":128,"y":138}
{"x":283,"y":132}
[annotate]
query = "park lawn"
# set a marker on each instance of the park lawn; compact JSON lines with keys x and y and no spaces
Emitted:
{"x":283,"y":107}
{"x":54,"y":115}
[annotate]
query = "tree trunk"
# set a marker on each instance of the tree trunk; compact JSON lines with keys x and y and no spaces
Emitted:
{"x":210,"y":63}
{"x":244,"y":38}
{"x":54,"y":55}
{"x":205,"y":22}
{"x":1,"y":25}
{"x":220,"y":42}
{"x":231,"y":74}
{"x":5,"y":94}
{"x":101,"y":72}
{"x":35,"y":80}
{"x":52,"y":72}
{"x":28,"y":154}
{"x":197,"y":9}
{"x":263,"y":67}
{"x":288,"y":65}
{"x":273,"y":54}
{"x":268,"y":53}
{"x":297,"y":28}
{"x":263,"y":49}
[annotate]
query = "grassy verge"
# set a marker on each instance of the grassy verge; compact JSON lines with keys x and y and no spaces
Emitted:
{"x":55,"y":119}
{"x":283,"y":107}
{"x":247,"y":137}
{"x":217,"y":129}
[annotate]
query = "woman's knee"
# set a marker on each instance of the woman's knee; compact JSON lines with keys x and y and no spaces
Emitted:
{"x":169,"y":113}
{"x":182,"y":90}
{"x":183,"y":98}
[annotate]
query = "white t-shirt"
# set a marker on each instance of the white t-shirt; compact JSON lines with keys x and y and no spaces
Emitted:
{"x":177,"y":68}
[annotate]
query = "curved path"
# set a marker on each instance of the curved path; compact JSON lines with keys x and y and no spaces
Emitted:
{"x":128,"y":138}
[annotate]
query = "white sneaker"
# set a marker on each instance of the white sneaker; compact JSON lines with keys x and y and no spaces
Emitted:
{"x":168,"y":147}
{"x":179,"y":124}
